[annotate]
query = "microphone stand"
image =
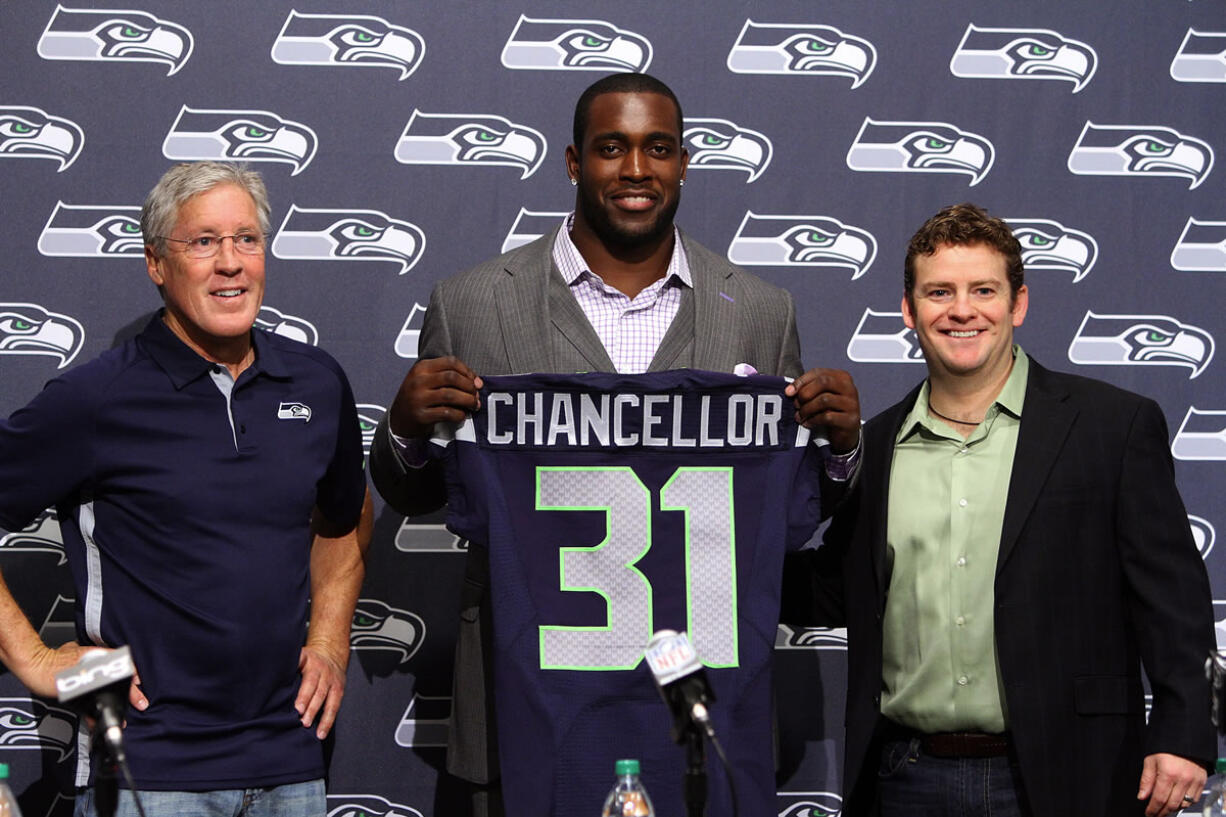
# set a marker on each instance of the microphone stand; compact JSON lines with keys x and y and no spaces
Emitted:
{"x":695,"y":774}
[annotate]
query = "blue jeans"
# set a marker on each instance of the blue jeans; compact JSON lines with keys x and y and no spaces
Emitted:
{"x":914,"y":784}
{"x":291,"y":800}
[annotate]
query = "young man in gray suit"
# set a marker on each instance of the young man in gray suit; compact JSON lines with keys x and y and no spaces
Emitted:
{"x":619,"y":288}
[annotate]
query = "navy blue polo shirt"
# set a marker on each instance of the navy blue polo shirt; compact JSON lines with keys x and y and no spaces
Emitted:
{"x":185,"y":501}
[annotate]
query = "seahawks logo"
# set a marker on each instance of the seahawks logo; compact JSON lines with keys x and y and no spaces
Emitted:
{"x":920,"y":147}
{"x":1139,"y":150}
{"x":29,"y":329}
{"x":1049,"y":245}
{"x":369,"y":416}
{"x":1140,"y":340}
{"x":120,"y":35}
{"x":425,"y":722}
{"x":40,"y":536}
{"x":60,"y":624}
{"x":1201,"y":57}
{"x":1201,"y":435}
{"x":32,"y":133}
{"x":809,"y":804}
{"x":348,"y":235}
{"x":421,"y":538}
{"x":367,"y":805}
{"x":239,"y":135}
{"x":882,"y":337}
{"x":574,"y":45}
{"x":460,"y":139}
{"x":530,"y":225}
{"x":92,"y":231}
{"x":788,"y":637}
{"x":410,"y":334}
{"x":378,"y":627}
{"x":802,"y":241}
{"x":351,"y":40}
{"x":717,"y":144}
{"x":1203,"y":534}
{"x":1023,"y":53}
{"x":1201,"y":247}
{"x":287,"y":326}
{"x":29,"y":723}
{"x":813,"y":50}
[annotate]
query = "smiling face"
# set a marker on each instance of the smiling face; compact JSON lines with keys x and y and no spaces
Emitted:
{"x":629,"y":169}
{"x":963,"y":312}
{"x":211,"y":303}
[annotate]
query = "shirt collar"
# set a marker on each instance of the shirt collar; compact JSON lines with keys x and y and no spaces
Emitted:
{"x":1011,"y":398}
{"x":183,"y":365}
{"x":572,"y":266}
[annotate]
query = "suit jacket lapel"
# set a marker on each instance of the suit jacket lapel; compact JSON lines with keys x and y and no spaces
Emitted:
{"x":877,"y":465}
{"x":1046,"y":421}
{"x":707,"y":318}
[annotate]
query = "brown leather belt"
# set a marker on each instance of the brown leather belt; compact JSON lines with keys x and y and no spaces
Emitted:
{"x":964,"y":744}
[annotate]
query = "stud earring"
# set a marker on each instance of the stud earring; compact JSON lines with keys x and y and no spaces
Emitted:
{"x":574,"y":182}
{"x":682,"y":183}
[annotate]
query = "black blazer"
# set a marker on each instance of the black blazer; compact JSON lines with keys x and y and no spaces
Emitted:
{"x":1097,"y":575}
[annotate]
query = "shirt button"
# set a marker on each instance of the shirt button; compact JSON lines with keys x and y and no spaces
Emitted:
{"x":963,"y":680}
{"x":964,"y":451}
{"x":960,"y":620}
{"x":962,"y":503}
{"x":961,"y":561}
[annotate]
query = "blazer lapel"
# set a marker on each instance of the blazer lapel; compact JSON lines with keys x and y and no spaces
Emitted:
{"x":1046,"y":420}
{"x":711,"y":326}
{"x":877,"y":465}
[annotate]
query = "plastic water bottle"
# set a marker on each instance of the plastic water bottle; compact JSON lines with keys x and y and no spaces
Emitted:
{"x":8,"y":802}
{"x":1215,"y":800}
{"x":628,"y":798}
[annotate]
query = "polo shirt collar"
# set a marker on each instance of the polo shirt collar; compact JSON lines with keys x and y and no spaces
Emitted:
{"x":1010,"y":399}
{"x":183,"y":365}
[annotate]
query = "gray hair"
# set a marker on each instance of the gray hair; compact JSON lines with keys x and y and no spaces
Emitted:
{"x":161,"y":210}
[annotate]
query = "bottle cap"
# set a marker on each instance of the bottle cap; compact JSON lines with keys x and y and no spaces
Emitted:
{"x":1221,"y":765}
{"x":4,"y":771}
{"x":628,"y":766}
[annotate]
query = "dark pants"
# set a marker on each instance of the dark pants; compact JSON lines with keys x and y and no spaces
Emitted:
{"x":911,"y":783}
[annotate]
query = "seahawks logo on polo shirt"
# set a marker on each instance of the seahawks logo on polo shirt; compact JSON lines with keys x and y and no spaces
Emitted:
{"x":1201,"y":435}
{"x":802,"y":241}
{"x":412,"y":537}
{"x":369,"y":415}
{"x":120,"y":35}
{"x":920,"y":147}
{"x":410,"y":334}
{"x":717,"y":144}
{"x":40,"y":536}
{"x":1023,"y":53}
{"x":460,"y":139}
{"x":353,"y":40}
{"x":28,"y":723}
{"x":530,"y":225}
{"x":294,"y":411}
{"x":1201,"y":247}
{"x":788,"y":637}
{"x":92,"y":231}
{"x":234,"y":135}
{"x":574,"y":45}
{"x":367,"y":805}
{"x":1140,"y":340}
{"x":287,"y":326}
{"x":1203,"y":534}
{"x":1139,"y":150}
{"x":809,"y":804}
{"x":324,"y":234}
{"x":882,"y":337}
{"x":1049,"y":245}
{"x":379,"y":627}
{"x":812,"y":50}
{"x":32,"y":133}
{"x":425,"y":722}
{"x":1201,"y":57}
{"x":29,"y":329}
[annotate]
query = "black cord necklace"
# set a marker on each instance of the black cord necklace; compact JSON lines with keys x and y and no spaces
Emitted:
{"x":951,"y":419}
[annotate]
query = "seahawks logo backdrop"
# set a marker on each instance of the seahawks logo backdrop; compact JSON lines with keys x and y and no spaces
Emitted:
{"x":404,"y":142}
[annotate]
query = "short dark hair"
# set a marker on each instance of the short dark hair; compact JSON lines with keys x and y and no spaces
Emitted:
{"x":619,"y":84}
{"x":961,"y":225}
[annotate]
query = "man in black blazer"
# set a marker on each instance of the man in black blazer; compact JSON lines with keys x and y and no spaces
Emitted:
{"x":565,"y":303}
{"x":1015,"y":552}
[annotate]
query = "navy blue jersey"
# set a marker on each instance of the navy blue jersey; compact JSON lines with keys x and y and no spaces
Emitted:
{"x":185,"y":514}
{"x":614,"y":506}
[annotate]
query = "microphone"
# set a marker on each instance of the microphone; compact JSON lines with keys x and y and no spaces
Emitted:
{"x":682,"y":683}
{"x":97,"y":686}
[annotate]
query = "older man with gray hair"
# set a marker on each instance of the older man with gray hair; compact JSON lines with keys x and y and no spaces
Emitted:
{"x":209,"y":485}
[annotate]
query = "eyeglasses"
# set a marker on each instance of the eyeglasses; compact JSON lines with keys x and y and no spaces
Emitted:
{"x":206,"y":246}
